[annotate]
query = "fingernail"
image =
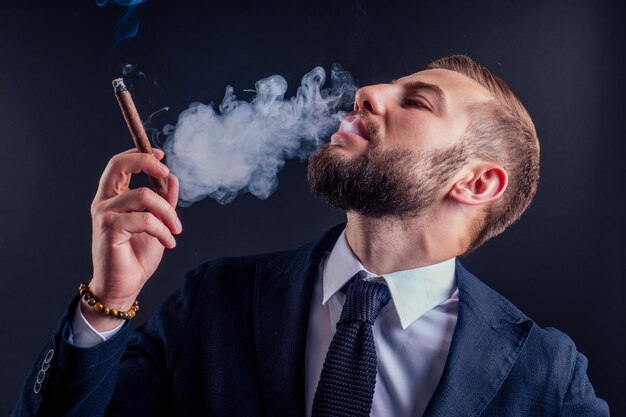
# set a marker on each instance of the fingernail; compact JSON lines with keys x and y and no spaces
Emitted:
{"x":179,"y":225}
{"x":164,"y":168}
{"x":173,"y":240}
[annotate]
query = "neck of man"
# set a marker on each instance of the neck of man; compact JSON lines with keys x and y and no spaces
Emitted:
{"x":390,"y":244}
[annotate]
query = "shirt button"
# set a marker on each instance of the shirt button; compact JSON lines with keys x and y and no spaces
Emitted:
{"x":49,"y":356}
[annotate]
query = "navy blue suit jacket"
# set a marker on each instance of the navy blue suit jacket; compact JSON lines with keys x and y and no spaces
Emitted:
{"x":231,"y":342}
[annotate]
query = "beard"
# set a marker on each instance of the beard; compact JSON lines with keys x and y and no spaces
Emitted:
{"x":399,"y":182}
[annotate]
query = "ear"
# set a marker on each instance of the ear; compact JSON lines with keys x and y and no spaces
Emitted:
{"x":483,"y":182}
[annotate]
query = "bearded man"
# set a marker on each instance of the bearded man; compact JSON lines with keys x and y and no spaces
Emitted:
{"x":376,"y":318}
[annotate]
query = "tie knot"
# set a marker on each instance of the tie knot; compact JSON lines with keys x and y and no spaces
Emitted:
{"x":364,"y":299}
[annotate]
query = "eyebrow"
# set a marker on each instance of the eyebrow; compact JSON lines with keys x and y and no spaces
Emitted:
{"x":435,"y":89}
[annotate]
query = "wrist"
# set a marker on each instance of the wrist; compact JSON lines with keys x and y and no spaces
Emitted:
{"x":95,"y":320}
{"x":103,"y":314}
{"x":110,"y":297}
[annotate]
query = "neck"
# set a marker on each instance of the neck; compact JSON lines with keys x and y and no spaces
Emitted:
{"x":389,"y":244}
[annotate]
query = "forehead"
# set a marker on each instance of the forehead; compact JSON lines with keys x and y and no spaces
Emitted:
{"x":458,"y":88}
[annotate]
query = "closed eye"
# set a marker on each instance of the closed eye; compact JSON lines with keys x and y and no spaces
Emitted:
{"x":412,"y":102}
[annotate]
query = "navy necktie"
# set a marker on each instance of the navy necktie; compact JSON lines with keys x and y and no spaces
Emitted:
{"x":346,"y":386}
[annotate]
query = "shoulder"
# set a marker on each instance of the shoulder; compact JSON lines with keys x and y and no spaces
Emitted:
{"x":547,"y":352}
{"x":242,"y":267}
{"x":240,"y":271}
{"x":546,"y":368}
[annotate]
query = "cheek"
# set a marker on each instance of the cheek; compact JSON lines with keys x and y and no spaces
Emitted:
{"x":436,"y":134}
{"x":415,"y":131}
{"x":422,"y":129}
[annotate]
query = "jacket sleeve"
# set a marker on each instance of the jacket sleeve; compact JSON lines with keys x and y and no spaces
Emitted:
{"x":126,"y":374}
{"x":580,"y":398}
{"x":66,"y":380}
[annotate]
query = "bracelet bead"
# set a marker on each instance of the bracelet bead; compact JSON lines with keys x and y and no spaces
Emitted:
{"x":86,"y":294}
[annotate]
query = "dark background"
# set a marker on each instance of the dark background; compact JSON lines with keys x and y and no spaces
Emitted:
{"x":60,"y":124}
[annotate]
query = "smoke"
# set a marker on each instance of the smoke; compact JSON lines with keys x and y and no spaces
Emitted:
{"x":128,"y":26}
{"x":243,"y":145}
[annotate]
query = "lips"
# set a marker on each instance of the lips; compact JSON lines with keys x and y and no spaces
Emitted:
{"x":353,"y":124}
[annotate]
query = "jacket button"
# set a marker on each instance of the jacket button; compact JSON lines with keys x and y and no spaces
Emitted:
{"x":41,"y":376}
{"x":49,"y":356}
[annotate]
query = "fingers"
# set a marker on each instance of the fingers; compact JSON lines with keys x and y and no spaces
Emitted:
{"x":173,"y":188}
{"x":143,"y":199}
{"x":157,"y":152}
{"x":122,"y":226}
{"x":116,"y":177}
{"x":120,"y":212}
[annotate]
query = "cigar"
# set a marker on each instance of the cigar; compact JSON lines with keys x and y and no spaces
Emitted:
{"x":135,"y":126}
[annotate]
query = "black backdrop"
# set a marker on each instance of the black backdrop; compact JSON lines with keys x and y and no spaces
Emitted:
{"x":60,"y":125}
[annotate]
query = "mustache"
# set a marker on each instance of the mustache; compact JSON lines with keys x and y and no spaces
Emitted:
{"x":373,"y":130}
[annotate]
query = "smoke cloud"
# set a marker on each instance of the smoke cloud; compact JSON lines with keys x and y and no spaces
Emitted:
{"x":241,"y":146}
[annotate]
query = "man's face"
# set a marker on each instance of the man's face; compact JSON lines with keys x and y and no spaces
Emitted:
{"x":398,"y":151}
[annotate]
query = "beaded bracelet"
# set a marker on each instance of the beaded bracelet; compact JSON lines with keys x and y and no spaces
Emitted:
{"x":88,"y":296}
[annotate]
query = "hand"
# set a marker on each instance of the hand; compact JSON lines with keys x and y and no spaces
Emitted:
{"x":131,"y":229}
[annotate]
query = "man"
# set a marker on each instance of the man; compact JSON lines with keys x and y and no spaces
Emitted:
{"x":427,"y":168}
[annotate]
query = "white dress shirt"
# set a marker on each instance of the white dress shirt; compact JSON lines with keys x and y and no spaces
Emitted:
{"x":83,"y":334}
{"x":412,"y":332}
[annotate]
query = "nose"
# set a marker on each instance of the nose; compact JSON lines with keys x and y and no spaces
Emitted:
{"x":371,"y":98}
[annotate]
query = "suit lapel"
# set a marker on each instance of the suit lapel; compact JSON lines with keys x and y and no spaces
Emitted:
{"x":283,"y":292}
{"x":487,"y":339}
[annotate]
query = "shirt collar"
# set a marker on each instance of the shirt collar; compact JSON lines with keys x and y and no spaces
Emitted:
{"x":413,"y":291}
